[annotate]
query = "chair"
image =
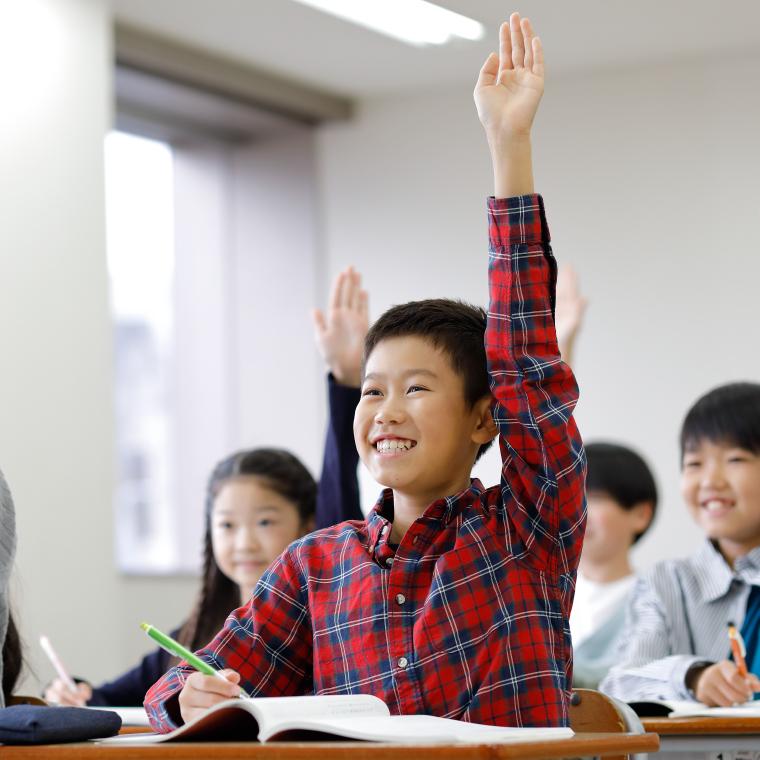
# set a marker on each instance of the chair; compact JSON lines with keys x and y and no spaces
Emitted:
{"x":18,"y":699}
{"x":594,"y":712}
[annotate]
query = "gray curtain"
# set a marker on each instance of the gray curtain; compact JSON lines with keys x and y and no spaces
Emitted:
{"x":7,"y":550}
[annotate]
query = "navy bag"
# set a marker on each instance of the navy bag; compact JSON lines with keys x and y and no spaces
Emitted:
{"x":35,"y":724}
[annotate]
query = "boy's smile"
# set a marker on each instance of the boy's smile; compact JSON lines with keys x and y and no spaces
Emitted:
{"x":720,"y":484}
{"x":413,"y":428}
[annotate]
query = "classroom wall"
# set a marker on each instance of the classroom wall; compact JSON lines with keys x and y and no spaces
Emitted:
{"x":650,"y":177}
{"x":56,"y":426}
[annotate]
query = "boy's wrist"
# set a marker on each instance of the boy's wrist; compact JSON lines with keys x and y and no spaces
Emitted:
{"x":512,"y":167}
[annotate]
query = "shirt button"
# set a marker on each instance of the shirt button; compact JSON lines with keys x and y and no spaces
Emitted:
{"x":389,"y":561}
{"x":402,"y":662}
{"x":400,"y":598}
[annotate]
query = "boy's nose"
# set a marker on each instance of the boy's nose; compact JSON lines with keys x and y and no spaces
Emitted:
{"x":389,"y":413}
{"x":713,"y":475}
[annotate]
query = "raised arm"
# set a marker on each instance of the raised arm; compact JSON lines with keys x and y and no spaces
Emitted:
{"x":543,"y":467}
{"x":339,"y":333}
{"x":571,"y":306}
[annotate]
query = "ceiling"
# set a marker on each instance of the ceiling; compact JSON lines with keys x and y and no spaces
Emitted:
{"x":307,"y":45}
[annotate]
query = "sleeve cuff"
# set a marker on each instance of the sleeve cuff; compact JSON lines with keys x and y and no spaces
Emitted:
{"x":678,"y":678}
{"x":517,"y":221}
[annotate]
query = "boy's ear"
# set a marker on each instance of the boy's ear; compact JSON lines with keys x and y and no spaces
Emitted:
{"x":485,"y":429}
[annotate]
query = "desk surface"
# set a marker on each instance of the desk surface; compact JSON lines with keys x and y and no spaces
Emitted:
{"x":580,"y":744}
{"x":701,"y":725}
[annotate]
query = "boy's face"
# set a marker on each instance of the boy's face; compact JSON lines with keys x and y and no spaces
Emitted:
{"x":610,"y":528}
{"x":720,"y":484}
{"x":413,"y":428}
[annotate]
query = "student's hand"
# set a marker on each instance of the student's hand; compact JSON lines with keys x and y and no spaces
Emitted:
{"x":201,"y":692}
{"x":569,"y":309}
{"x":60,"y":694}
{"x":721,"y":685}
{"x":507,"y":95}
{"x":340,"y":331}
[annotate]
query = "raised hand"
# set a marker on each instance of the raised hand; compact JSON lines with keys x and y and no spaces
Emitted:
{"x":511,"y":83}
{"x":340,"y":331}
{"x":569,"y":309}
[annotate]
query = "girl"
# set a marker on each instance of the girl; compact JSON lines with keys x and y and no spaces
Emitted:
{"x":261,"y":500}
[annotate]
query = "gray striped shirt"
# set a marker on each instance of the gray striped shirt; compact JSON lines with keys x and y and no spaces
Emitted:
{"x":677,"y":619}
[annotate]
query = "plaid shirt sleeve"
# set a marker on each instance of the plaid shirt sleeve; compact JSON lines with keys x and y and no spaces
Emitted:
{"x":543,"y":462}
{"x":268,"y":642}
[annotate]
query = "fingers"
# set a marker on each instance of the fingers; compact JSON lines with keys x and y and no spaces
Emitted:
{"x":721,"y":684}
{"x":363,"y":306}
{"x":336,"y":291}
{"x":488,"y":72}
{"x":538,"y":57}
{"x":210,"y":685}
{"x":527,"y":31}
{"x":60,"y":694}
{"x":318,"y":319}
{"x":505,"y":48}
{"x":516,"y":38}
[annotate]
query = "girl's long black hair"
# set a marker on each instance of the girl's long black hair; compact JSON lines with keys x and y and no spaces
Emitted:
{"x":219,"y":595}
{"x":13,"y":659}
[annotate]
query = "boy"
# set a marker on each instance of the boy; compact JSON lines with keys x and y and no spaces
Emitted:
{"x":448,"y":599}
{"x":622,"y":497}
{"x":677,"y":645}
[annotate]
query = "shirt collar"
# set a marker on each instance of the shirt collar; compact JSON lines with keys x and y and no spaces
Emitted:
{"x":444,"y":511}
{"x":715,"y":575}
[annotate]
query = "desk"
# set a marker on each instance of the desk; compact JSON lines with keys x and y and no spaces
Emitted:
{"x":696,"y":738}
{"x":579,"y":745}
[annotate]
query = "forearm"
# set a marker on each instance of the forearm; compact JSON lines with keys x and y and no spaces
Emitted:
{"x":512,"y":161}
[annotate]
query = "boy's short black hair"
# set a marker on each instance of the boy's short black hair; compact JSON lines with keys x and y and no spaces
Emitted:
{"x":728,"y":414}
{"x":454,"y":327}
{"x":621,"y":473}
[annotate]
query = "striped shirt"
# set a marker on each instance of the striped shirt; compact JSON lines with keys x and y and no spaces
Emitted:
{"x":678,"y":619}
{"x":467,"y":617}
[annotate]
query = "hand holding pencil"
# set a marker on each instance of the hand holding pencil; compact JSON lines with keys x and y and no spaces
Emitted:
{"x":727,"y":682}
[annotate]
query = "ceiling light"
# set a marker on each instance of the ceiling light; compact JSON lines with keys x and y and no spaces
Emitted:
{"x":414,"y":21}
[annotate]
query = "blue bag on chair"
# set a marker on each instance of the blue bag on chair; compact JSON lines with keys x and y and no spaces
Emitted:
{"x":34,"y":724}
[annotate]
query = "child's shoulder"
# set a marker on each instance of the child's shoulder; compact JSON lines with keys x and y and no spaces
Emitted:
{"x":693,"y":576}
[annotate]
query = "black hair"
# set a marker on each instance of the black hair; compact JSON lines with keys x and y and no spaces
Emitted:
{"x":13,"y":659}
{"x":454,"y":327}
{"x":728,"y":414}
{"x":621,"y":473}
{"x":219,"y":595}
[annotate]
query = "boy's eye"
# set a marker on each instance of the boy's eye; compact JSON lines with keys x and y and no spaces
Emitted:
{"x":370,"y":392}
{"x":265,"y":523}
{"x":225,"y":525}
{"x":691,"y":464}
{"x":414,"y":388}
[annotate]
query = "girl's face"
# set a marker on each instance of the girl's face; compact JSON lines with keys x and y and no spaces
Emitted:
{"x":720,"y":484}
{"x":251,"y":525}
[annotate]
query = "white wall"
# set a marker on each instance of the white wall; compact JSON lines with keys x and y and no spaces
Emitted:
{"x":651,"y":182}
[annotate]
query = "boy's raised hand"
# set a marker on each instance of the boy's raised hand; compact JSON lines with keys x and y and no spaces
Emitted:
{"x":507,"y":95}
{"x":511,"y":83}
{"x":340,"y":331}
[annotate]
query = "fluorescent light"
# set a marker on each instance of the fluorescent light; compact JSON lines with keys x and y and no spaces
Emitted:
{"x":414,"y":21}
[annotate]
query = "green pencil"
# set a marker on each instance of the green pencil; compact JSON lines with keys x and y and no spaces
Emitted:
{"x":171,"y":646}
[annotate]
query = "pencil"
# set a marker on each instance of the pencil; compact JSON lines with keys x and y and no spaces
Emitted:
{"x":55,"y":660}
{"x":168,"y":644}
{"x":737,"y":649}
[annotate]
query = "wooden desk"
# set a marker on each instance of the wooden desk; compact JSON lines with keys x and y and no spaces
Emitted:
{"x":702,"y":737}
{"x":600,"y":745}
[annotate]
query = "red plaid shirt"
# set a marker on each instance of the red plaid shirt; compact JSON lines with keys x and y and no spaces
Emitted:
{"x":467,"y":618}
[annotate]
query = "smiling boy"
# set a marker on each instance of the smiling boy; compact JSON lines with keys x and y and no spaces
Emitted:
{"x":449,"y":599}
{"x":677,"y":645}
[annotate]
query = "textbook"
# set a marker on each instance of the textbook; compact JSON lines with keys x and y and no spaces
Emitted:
{"x":324,"y":718}
{"x":655,"y":708}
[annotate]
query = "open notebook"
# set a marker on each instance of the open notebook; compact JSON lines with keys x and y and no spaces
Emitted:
{"x":323,"y":718}
{"x":656,"y":708}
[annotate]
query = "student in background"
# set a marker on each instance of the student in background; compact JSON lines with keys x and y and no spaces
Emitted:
{"x":450,"y":599}
{"x":676,"y":644}
{"x":621,"y":499}
{"x":10,"y":644}
{"x":259,"y":501}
